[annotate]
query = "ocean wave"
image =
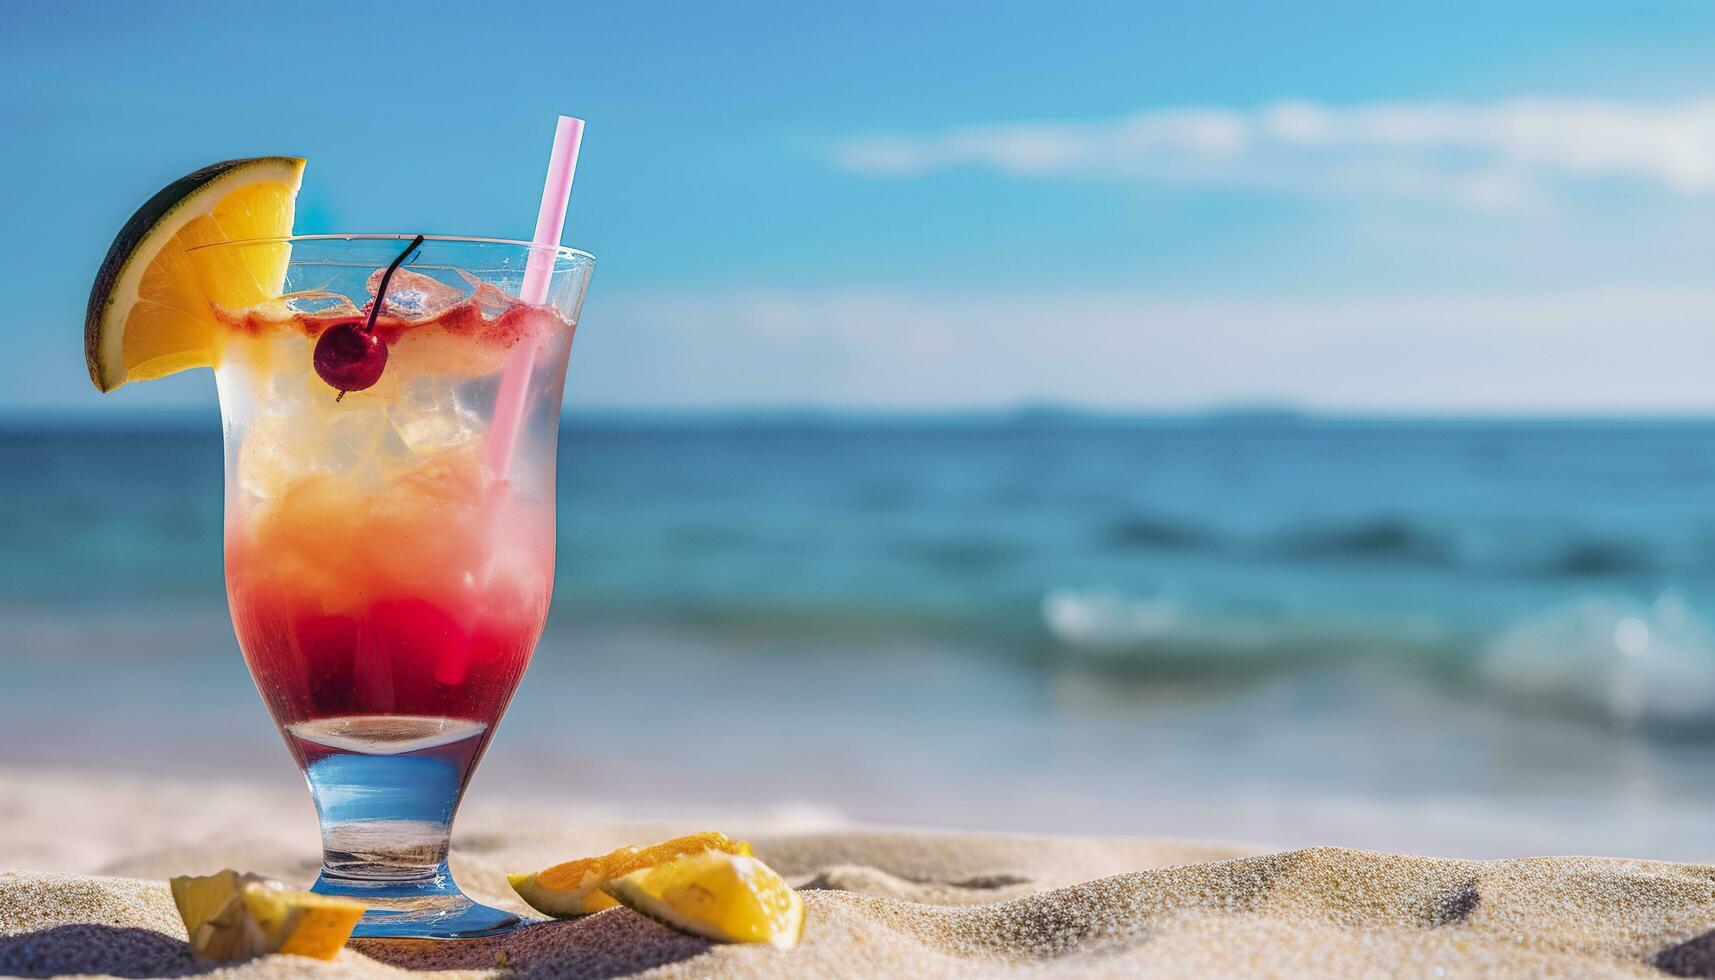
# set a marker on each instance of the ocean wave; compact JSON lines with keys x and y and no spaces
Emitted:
{"x":960,"y":555}
{"x":1165,"y":633}
{"x":1581,"y":558}
{"x":1108,"y":620}
{"x":1375,"y":538}
{"x":1636,"y":664}
{"x":1626,"y":662}
{"x":1532,"y":552}
{"x":1149,"y":532}
{"x":1516,"y":551}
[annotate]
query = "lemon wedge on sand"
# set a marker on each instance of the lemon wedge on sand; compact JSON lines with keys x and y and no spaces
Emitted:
{"x":231,"y":916}
{"x":574,"y":888}
{"x":733,"y":898}
{"x":151,"y":310}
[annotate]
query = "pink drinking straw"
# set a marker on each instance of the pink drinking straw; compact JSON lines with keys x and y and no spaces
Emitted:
{"x":538,"y":273}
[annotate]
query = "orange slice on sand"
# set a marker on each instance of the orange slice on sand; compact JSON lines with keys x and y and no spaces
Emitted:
{"x":726,"y":897}
{"x":574,"y":888}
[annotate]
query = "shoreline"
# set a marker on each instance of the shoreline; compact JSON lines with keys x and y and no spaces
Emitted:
{"x":880,"y":901}
{"x":83,"y":819}
{"x":973,"y":743}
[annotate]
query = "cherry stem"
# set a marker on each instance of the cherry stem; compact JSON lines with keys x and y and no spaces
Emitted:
{"x":386,"y":277}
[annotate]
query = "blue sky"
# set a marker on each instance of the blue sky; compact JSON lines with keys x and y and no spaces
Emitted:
{"x":1354,"y":207}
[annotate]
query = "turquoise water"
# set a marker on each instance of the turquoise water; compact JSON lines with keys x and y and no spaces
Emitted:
{"x":1191,"y":625}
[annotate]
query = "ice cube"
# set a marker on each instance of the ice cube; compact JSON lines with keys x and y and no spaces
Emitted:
{"x":428,"y":417}
{"x":274,"y":455}
{"x":297,"y":438}
{"x":287,"y":391}
{"x":489,"y":298}
{"x":351,"y":433}
{"x":316,"y":302}
{"x":414,"y":296}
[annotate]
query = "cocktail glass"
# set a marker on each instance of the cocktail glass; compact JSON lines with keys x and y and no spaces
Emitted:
{"x":388,"y":581}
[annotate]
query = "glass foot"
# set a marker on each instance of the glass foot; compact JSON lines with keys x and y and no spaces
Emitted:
{"x":433,"y":908}
{"x":386,"y":788}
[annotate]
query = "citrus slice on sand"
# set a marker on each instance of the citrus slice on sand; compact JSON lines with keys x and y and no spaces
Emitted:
{"x":728,"y":897}
{"x":216,"y":919}
{"x":303,"y":923}
{"x":150,"y":311}
{"x":232,"y":916}
{"x":574,"y":888}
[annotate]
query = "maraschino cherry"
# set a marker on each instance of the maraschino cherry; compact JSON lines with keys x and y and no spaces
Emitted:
{"x":349,"y":356}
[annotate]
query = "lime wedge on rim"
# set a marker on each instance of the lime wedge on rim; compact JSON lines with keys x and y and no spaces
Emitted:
{"x":151,"y":311}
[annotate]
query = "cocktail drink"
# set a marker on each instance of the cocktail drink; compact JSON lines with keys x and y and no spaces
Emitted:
{"x":387,"y":581}
{"x":391,"y":408}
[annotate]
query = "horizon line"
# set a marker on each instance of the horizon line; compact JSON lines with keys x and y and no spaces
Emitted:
{"x":168,"y":418}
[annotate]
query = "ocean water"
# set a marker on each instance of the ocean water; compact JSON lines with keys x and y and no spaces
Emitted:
{"x":1464,"y":636}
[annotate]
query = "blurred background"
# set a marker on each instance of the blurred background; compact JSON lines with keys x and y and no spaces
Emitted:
{"x":1284,"y":422}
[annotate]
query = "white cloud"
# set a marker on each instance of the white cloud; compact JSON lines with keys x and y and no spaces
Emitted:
{"x":1616,"y":349}
{"x":1483,"y":155}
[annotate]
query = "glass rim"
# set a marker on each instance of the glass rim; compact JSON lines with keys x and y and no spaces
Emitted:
{"x":560,"y":251}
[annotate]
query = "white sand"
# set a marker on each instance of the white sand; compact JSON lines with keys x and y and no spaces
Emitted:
{"x":91,"y":853}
